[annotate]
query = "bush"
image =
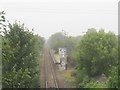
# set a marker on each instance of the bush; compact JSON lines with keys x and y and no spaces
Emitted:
{"x":113,"y":78}
{"x":95,"y":85}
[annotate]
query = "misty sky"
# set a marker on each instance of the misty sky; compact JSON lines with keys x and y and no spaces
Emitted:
{"x":74,"y":17}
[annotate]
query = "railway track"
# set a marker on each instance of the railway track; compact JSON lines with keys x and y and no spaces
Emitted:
{"x":49,"y":69}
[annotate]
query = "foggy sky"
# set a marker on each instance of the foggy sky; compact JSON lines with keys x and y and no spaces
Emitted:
{"x":74,"y":17}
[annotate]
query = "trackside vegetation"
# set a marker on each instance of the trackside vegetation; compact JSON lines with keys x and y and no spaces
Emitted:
{"x":20,"y":54}
{"x":92,"y":58}
{"x":95,"y":55}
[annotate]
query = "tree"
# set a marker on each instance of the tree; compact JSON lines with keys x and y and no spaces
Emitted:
{"x":97,"y":53}
{"x":57,"y":40}
{"x":20,"y":52}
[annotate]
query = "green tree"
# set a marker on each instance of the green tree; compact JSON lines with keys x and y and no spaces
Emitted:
{"x":20,"y":52}
{"x":97,"y":53}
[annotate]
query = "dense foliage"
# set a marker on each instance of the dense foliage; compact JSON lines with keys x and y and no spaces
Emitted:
{"x":97,"y":54}
{"x":20,"y":54}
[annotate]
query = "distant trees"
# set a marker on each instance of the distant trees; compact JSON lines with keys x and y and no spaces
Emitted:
{"x":58,"y":40}
{"x":97,"y":53}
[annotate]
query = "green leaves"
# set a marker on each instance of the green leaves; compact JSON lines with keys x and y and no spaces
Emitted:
{"x":113,"y":78}
{"x":97,"y":53}
{"x":20,"y":57}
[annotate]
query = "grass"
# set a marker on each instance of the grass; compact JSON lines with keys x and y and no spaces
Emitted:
{"x":68,"y":75}
{"x":57,"y":58}
{"x":96,"y":85}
